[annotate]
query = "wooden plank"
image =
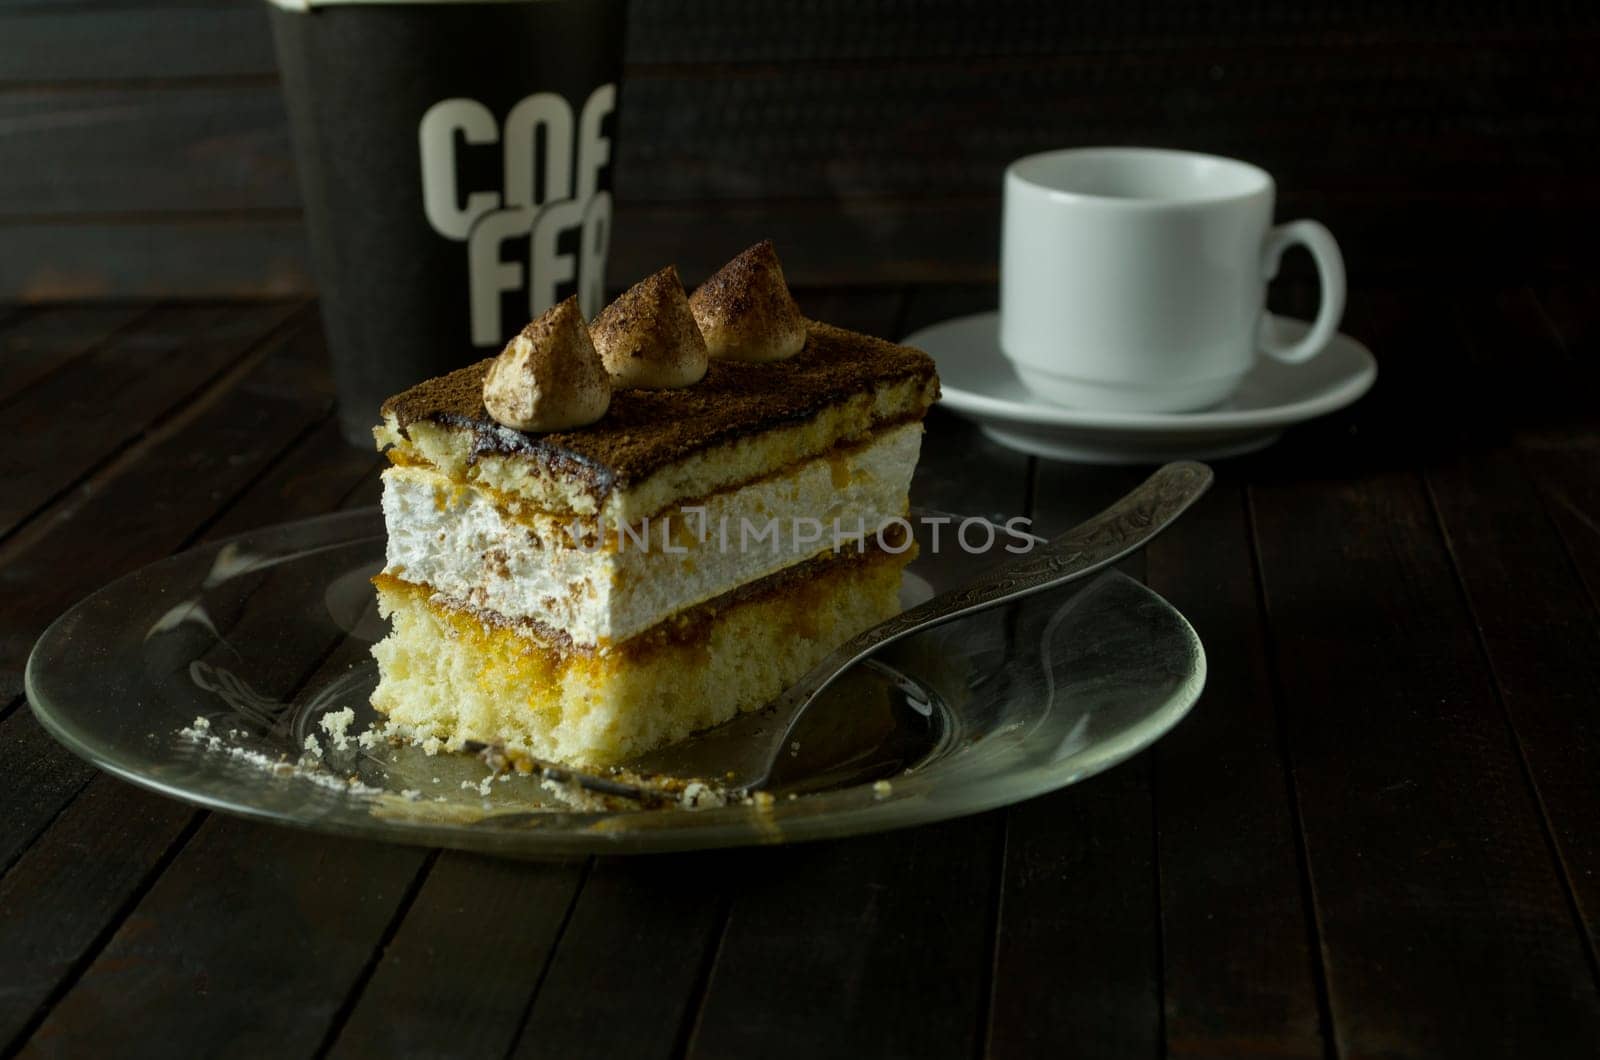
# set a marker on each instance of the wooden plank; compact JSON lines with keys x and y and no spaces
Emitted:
{"x":1565,"y":474}
{"x":158,"y":490}
{"x":115,"y":394}
{"x":320,"y":474}
{"x":153,"y":502}
{"x":116,"y":150}
{"x":52,"y":911}
{"x":65,"y":44}
{"x":639,"y":937}
{"x":297,"y":486}
{"x":1563,"y":461}
{"x":1077,"y":959}
{"x":47,"y":949}
{"x":34,"y":7}
{"x":1539,"y":632}
{"x":1241,"y":971}
{"x":1444,"y":922}
{"x":249,"y":922}
{"x":466,"y":959}
{"x":864,"y":947}
{"x":41,"y":341}
{"x":176,"y":256}
{"x":43,"y":778}
{"x":315,"y":475}
{"x":1537,"y":623}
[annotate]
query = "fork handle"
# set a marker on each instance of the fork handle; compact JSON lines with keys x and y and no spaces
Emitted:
{"x":1124,"y":527}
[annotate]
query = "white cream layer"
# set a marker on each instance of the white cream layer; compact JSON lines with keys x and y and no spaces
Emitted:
{"x":457,"y":540}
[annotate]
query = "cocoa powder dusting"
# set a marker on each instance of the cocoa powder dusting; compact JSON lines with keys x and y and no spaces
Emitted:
{"x":644,"y":430}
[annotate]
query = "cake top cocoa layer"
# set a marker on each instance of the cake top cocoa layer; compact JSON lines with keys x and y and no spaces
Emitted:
{"x":645,"y":430}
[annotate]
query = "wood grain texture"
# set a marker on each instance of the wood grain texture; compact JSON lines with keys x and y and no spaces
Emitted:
{"x":1445,"y":922}
{"x":1444,"y":919}
{"x":54,"y":907}
{"x":68,"y":42}
{"x":155,"y":493}
{"x":108,"y":151}
{"x":639,"y":937}
{"x":1539,"y":634}
{"x":202,"y":257}
{"x":1241,"y":967}
{"x":1563,"y":462}
{"x":46,"y":950}
{"x":43,"y":778}
{"x":466,"y":960}
{"x":119,"y":392}
{"x":248,"y":923}
{"x":38,"y":342}
{"x":851,"y":949}
{"x":1528,"y":400}
{"x":154,"y":498}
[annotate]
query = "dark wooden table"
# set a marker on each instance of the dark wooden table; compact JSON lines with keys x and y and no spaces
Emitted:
{"x":1378,"y":834}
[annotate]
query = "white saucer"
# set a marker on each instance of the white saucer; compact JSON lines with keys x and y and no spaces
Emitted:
{"x":978,"y":382}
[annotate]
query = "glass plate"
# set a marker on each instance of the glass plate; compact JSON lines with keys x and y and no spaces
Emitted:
{"x":266,"y":634}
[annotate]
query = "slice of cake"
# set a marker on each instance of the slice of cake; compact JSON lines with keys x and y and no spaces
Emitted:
{"x":608,"y":538}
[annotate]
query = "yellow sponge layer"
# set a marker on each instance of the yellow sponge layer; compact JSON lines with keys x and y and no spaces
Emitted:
{"x":451,"y":672}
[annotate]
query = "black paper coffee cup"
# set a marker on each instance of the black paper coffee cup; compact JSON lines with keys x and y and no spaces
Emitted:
{"x":455,"y":161}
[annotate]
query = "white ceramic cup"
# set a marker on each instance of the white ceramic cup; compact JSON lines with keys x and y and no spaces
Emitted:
{"x":1134,"y":279}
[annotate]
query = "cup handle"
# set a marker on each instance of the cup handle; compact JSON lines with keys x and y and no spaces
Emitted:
{"x":1330,"y":267}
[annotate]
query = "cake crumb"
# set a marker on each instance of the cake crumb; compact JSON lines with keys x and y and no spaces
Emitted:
{"x":337,"y":725}
{"x":882,"y":789}
{"x":309,"y":767}
{"x":699,"y":796}
{"x":411,"y":795}
{"x":482,"y":787}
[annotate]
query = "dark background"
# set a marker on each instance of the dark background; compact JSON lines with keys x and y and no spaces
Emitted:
{"x":143,"y":147}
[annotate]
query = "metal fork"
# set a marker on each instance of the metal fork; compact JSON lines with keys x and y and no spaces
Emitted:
{"x":741,"y":761}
